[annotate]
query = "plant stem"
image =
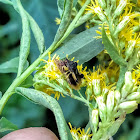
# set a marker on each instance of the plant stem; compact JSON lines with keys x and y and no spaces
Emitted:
{"x":73,"y":23}
{"x":20,"y":79}
{"x":32,"y":67}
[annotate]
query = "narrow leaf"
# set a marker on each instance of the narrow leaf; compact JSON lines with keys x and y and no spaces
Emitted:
{"x":6,"y":125}
{"x":25,"y":39}
{"x":11,"y":66}
{"x":120,"y":82}
{"x":83,"y":19}
{"x":61,"y":3}
{"x":37,"y":34}
{"x":65,"y":21}
{"x":111,"y":49}
{"x":49,"y":102}
{"x":82,"y":46}
{"x":6,"y":2}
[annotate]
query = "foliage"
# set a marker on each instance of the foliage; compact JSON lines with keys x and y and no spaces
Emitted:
{"x":109,"y":91}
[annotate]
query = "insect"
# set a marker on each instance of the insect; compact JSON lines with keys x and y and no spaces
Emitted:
{"x":70,"y":71}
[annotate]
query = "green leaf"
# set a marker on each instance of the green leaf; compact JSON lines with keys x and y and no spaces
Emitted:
{"x":61,"y":3}
{"x":111,"y":49}
{"x":66,"y":18}
{"x":120,"y":82}
{"x":74,"y":2}
{"x":6,"y":125}
{"x":37,"y":34}
{"x":25,"y":39}
{"x":82,"y":46}
{"x":11,"y":66}
{"x":49,"y":102}
{"x":47,"y":11}
{"x":6,"y":1}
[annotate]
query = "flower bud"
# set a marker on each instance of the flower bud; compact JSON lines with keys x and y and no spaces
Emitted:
{"x":128,"y":78}
{"x":84,"y":83}
{"x":104,"y":93}
{"x":136,"y":28}
{"x":128,"y":106}
{"x":117,"y":96}
{"x":115,"y":125}
{"x":100,"y":13}
{"x":89,"y":90}
{"x":110,"y":104}
{"x":122,"y":44}
{"x":120,"y":8}
{"x":135,"y":88}
{"x":95,"y":119}
{"x":102,"y":107}
{"x":96,"y":87}
{"x":122,"y":25}
{"x":130,"y":49}
{"x":127,"y":88}
{"x":102,"y":3}
{"x":133,"y":96}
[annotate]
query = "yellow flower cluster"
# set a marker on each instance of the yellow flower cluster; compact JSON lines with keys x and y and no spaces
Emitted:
{"x":58,"y":21}
{"x":136,"y":75}
{"x":50,"y":76}
{"x":122,"y":24}
{"x":50,"y":69}
{"x":80,"y":134}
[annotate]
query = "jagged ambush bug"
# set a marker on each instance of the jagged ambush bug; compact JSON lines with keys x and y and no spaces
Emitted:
{"x":70,"y":71}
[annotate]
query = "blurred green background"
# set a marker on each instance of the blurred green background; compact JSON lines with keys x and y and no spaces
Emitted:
{"x":19,"y":110}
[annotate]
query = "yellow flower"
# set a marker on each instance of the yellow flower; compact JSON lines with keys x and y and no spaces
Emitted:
{"x":58,"y":21}
{"x":91,"y":76}
{"x":80,"y":134}
{"x":51,"y":70}
{"x":50,"y":92}
{"x":106,"y":27}
{"x":136,"y":75}
{"x":48,"y":78}
{"x":128,"y":21}
{"x":83,"y":71}
{"x":95,"y":8}
{"x":102,"y":80}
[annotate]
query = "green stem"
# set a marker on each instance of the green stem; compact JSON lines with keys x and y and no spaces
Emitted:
{"x":73,"y":23}
{"x":83,"y":19}
{"x":32,"y":67}
{"x":95,"y":21}
{"x":20,"y":79}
